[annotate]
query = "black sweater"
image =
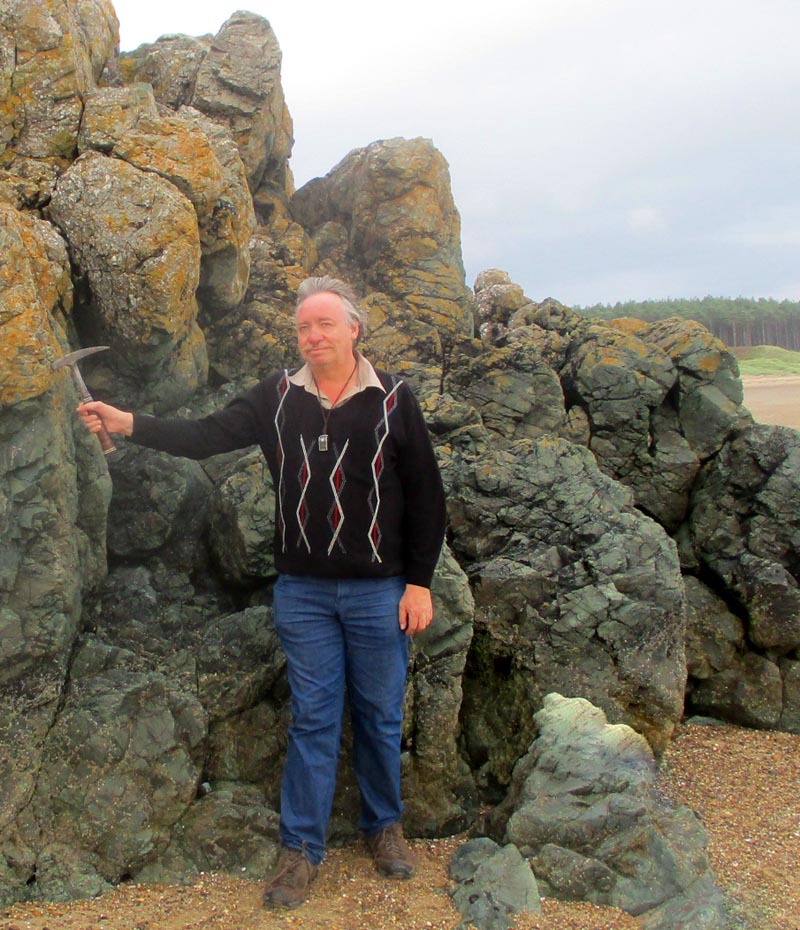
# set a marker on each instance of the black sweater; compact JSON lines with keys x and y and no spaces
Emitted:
{"x":371,"y":506}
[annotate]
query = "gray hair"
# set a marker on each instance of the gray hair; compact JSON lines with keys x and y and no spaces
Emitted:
{"x":345,"y":293}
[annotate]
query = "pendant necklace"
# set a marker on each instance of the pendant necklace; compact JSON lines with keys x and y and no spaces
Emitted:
{"x":322,"y":441}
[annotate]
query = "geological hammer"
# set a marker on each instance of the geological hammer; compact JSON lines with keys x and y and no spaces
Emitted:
{"x":71,"y":361}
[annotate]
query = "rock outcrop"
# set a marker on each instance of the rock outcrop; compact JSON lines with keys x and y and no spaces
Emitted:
{"x":385,"y":218}
{"x":585,"y":808}
{"x":574,"y":589}
{"x":53,"y":56}
{"x":620,"y":530}
{"x":234,"y":79}
{"x":745,"y":532}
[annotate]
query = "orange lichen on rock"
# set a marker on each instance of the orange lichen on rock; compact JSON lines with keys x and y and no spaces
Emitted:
{"x":29,"y":290}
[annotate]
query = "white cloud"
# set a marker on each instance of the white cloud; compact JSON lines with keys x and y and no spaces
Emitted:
{"x":761,"y":237}
{"x":645,"y":219}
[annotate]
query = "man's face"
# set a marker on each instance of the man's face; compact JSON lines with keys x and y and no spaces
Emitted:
{"x":325,"y":335}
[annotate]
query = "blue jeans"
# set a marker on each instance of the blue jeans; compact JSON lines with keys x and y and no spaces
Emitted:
{"x":338,"y":633}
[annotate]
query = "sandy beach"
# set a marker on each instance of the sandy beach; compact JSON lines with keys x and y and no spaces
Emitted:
{"x":741,"y":783}
{"x":773,"y":398}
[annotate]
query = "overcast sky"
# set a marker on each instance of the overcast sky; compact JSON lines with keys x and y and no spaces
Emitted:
{"x":599,"y":150}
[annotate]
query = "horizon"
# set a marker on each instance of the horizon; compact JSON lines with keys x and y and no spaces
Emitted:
{"x":752,"y":298}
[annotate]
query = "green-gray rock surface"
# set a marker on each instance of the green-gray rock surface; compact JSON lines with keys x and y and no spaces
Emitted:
{"x":620,"y":531}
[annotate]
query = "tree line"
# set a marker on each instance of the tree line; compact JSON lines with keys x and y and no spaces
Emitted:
{"x":740,"y":321}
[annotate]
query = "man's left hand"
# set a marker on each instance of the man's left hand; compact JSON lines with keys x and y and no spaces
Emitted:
{"x":416,"y":609}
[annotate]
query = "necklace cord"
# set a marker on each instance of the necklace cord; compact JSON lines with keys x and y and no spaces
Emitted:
{"x":323,"y":438}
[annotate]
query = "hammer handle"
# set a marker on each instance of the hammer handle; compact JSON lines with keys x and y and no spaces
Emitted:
{"x":106,"y":442}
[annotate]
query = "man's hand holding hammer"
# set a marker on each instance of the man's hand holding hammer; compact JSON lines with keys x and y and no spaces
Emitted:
{"x":96,"y":415}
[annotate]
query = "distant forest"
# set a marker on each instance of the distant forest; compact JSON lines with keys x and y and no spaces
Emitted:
{"x":743,"y":321}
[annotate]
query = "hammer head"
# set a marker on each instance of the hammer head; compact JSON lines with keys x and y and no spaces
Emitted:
{"x":74,"y":357}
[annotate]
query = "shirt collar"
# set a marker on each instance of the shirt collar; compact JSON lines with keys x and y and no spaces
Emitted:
{"x":365,"y":378}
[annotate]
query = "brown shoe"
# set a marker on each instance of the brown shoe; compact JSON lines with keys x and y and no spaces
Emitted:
{"x":290,"y":880}
{"x":390,"y":852}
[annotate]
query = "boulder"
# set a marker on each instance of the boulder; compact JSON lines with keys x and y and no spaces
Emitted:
{"x":258,"y":336}
{"x":175,"y":149}
{"x":248,"y":747}
{"x":239,"y":661}
{"x":135,"y":246}
{"x":622,"y":382}
{"x":585,"y":807}
{"x":7,"y":65}
{"x":234,"y":79}
{"x":281,"y":255}
{"x":201,"y":160}
{"x":658,"y":399}
{"x":493,"y":885}
{"x":230,"y":829}
{"x":242,"y":682}
{"x":51,"y":58}
{"x":748,"y":692}
{"x":555,"y":323}
{"x":159,"y":620}
{"x":715,"y":637}
{"x":790,"y":711}
{"x":28,"y":186}
{"x":402,"y":343}
{"x":54,"y":493}
{"x":155,"y":664}
{"x":195,"y":155}
{"x":710,"y":393}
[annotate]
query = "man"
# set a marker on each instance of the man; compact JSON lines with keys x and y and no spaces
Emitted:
{"x":360,"y":519}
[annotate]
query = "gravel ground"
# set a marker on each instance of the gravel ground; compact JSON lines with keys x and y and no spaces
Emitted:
{"x":743,"y":784}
